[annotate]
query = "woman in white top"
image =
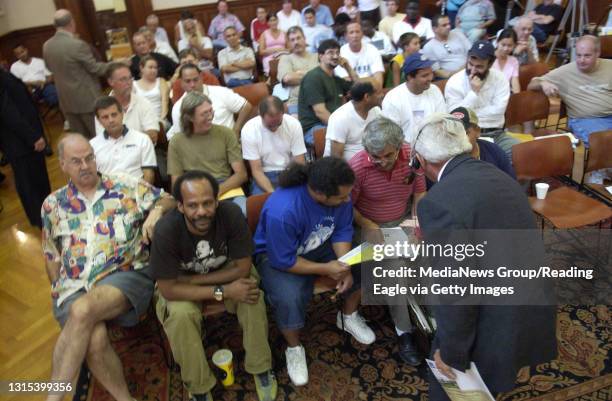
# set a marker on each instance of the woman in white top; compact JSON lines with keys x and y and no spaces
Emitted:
{"x":153,"y":88}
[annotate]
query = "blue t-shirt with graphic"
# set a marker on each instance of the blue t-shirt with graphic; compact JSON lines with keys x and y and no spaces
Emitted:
{"x":292,"y":224}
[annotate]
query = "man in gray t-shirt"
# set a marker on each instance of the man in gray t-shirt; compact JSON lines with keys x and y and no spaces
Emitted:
{"x":448,"y":48}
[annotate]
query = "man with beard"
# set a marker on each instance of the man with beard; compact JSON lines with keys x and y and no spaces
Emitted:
{"x":484,"y":90}
{"x":270,"y":142}
{"x":321,"y":91}
{"x":409,"y":103}
{"x":202,"y":252}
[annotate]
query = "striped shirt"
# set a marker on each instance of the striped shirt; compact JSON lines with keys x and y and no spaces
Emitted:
{"x":382,"y":196}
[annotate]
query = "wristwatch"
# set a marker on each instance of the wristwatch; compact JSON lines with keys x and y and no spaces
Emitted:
{"x":218,"y":293}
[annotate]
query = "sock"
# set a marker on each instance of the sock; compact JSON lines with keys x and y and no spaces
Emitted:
{"x":399,"y":332}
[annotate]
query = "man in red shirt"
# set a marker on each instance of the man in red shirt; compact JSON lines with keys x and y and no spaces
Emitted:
{"x":384,"y":185}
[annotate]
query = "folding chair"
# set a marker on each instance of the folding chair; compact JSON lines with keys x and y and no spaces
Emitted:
{"x":529,"y":71}
{"x":599,"y":156}
{"x":563,"y":207}
{"x":319,"y":142}
{"x":253,"y":93}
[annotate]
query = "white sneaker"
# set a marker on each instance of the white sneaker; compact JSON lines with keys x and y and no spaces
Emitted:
{"x":296,"y":365}
{"x":356,"y":326}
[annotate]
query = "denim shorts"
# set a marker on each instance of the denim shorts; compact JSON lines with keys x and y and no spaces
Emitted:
{"x":136,"y":285}
{"x":289,"y":294}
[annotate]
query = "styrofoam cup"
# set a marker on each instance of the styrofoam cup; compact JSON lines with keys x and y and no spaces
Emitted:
{"x":541,"y":190}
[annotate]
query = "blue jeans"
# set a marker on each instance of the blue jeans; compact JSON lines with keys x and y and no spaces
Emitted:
{"x":583,"y":127}
{"x":232,"y":83}
{"x":289,"y":294}
{"x":272,"y":176}
{"x":539,"y":35}
{"x":48,"y":94}
{"x":309,"y":134}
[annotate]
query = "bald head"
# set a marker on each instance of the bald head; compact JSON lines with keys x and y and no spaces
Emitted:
{"x":587,"y":53}
{"x":68,"y":141}
{"x":62,"y":18}
{"x":589,"y":40}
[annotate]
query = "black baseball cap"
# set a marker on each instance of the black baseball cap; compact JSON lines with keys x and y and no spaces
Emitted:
{"x":482,"y":49}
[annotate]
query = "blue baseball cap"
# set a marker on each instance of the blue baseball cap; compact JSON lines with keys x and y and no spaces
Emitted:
{"x":416,"y":61}
{"x":482,"y":49}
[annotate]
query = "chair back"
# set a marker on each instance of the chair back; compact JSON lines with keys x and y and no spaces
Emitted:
{"x":526,"y":106}
{"x":541,"y":158}
{"x":274,"y":71}
{"x":600,"y":151}
{"x":529,"y":71}
{"x":441,"y":83}
{"x":606,"y":46}
{"x":319,"y":142}
{"x":254,"y":205}
{"x":254,"y":93}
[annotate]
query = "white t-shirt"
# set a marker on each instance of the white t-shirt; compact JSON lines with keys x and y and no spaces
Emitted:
{"x":127,"y":154}
{"x":225,"y":103}
{"x":35,"y":71}
{"x":423,"y":28}
{"x":274,"y":149}
{"x":382,"y":42}
{"x":284,"y":22}
{"x":347,"y":127}
{"x":205,"y":41}
{"x":165,"y":49}
{"x":408,"y":110}
{"x":368,"y":5}
{"x":366,"y":62}
{"x":140,"y":115}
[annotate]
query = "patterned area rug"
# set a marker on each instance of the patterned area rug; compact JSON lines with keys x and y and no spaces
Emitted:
{"x":343,"y":370}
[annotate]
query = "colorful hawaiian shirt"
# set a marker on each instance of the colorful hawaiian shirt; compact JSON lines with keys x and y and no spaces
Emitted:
{"x":94,"y":238}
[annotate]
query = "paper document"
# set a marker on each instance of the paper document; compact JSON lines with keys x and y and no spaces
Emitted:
{"x":232,"y":193}
{"x":362,"y":253}
{"x":467,"y":386}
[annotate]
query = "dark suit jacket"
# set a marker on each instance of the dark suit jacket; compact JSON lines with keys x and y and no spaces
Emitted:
{"x":473,"y":194}
{"x":75,"y":71}
{"x":165,"y":66}
{"x":20,"y":125}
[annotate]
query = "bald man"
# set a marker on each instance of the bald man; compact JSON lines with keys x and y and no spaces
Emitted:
{"x":86,"y":224}
{"x":585,"y":87}
{"x":76,"y":73}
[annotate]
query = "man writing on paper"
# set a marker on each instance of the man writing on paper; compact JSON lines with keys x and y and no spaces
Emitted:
{"x":498,"y":339}
{"x":382,"y":198}
{"x":205,"y":146}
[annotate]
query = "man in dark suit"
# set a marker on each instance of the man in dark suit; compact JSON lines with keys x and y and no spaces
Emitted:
{"x":76,"y":73}
{"x":473,"y":195}
{"x":22,"y":141}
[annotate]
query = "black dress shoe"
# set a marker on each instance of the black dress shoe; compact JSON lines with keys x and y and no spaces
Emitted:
{"x":48,"y":151}
{"x":408,"y":350}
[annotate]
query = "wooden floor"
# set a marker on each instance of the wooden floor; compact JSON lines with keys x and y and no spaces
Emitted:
{"x":27,"y":328}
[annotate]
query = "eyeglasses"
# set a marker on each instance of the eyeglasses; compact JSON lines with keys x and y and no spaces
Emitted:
{"x":374,"y":159}
{"x":77,"y":162}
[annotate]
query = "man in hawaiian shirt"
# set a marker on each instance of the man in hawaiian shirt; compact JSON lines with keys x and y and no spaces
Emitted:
{"x":95,"y":235}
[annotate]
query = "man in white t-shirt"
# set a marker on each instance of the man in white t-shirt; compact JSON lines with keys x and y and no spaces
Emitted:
{"x":346,"y":125}
{"x":121,"y":149}
{"x":33,"y":72}
{"x":270,"y":142}
{"x":363,"y":57}
{"x":413,"y":23}
{"x":409,"y":103}
{"x":288,"y":17}
{"x":484,"y":90}
{"x":225,"y":102}
{"x":193,"y":39}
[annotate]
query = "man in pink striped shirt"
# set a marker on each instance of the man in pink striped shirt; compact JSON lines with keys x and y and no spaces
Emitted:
{"x":384,"y":185}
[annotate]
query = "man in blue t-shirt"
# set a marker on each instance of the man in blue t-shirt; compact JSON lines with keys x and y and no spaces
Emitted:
{"x":304,"y":227}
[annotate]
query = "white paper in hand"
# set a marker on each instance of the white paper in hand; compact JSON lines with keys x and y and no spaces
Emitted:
{"x":467,"y":386}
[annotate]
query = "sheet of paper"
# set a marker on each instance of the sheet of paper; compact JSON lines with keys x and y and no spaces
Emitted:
{"x":467,"y":386}
{"x":232,"y":193}
{"x":362,"y":253}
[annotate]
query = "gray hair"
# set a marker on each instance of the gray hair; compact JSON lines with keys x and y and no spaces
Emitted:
{"x":593,"y":39}
{"x":62,"y":18}
{"x":66,"y":137}
{"x":441,"y":137}
{"x":382,"y":132}
{"x":191,"y":102}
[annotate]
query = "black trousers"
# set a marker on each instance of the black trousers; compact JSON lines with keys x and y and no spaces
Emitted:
{"x":32,"y":184}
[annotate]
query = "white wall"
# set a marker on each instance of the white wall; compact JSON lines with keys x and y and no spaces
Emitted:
{"x":21,"y":14}
{"x":166,"y":4}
